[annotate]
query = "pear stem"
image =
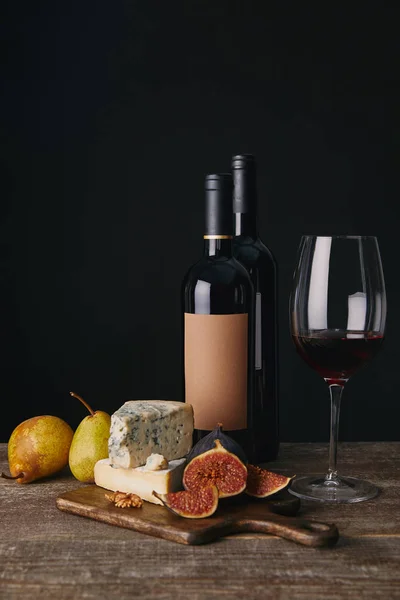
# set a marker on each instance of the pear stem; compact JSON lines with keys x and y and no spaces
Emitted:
{"x":10,"y":477}
{"x":83,"y":402}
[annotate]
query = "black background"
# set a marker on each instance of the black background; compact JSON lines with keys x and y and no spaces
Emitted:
{"x":113,"y":112}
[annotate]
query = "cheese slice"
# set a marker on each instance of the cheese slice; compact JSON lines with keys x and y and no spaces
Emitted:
{"x":144,"y":427}
{"x":140,"y":481}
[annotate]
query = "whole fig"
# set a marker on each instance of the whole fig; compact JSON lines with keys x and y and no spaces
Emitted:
{"x":208,"y":443}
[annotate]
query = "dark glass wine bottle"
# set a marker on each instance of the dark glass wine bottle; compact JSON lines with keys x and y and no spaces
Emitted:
{"x":261,"y":264}
{"x":218,"y":301}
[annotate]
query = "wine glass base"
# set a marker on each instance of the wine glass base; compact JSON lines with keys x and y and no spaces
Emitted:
{"x":343,"y":490}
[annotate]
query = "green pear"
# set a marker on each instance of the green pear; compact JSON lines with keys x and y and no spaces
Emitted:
{"x":89,"y":444}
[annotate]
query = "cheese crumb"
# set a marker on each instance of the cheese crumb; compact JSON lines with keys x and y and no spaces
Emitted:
{"x":156,"y":462}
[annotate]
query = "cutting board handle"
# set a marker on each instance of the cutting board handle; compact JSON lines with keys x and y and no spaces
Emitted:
{"x":295,"y":529}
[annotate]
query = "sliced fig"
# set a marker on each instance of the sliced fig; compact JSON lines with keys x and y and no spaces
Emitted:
{"x":218,"y":467}
{"x":191,"y":505}
{"x":208,"y":441}
{"x":262,"y":483}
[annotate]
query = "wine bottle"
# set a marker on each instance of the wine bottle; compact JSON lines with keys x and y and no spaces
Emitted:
{"x":262,"y":267}
{"x":219,"y":302}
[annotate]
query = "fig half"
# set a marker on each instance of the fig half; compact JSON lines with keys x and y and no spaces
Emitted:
{"x":217,"y":467}
{"x":192,"y":505}
{"x":262,"y":483}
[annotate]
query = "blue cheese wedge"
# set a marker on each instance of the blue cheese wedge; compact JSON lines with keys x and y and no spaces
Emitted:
{"x":140,"y":481}
{"x":144,"y":427}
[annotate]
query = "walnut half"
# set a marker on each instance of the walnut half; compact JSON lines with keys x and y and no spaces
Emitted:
{"x":125,"y":500}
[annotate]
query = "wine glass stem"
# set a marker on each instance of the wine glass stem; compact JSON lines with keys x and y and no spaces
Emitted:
{"x":336,"y":396}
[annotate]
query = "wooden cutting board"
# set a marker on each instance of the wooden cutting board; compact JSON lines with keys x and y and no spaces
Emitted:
{"x":273,"y":515}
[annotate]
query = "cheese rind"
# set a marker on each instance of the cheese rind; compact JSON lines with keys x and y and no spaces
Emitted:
{"x":140,"y":481}
{"x":144,"y":427}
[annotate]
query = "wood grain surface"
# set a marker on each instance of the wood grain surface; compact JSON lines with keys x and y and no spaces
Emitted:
{"x":45,"y":553}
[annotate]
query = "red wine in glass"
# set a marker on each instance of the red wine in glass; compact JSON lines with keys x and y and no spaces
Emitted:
{"x":337,"y":323}
{"x":336,"y":355}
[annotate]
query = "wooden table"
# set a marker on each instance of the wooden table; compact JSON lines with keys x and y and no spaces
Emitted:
{"x":45,"y":553}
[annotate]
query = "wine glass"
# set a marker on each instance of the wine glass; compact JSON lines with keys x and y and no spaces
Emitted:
{"x":337,"y":322}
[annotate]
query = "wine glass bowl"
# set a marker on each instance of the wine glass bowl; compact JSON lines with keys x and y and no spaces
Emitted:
{"x":337,"y":323}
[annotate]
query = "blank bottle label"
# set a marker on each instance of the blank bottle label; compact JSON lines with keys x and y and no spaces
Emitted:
{"x":216,"y":370}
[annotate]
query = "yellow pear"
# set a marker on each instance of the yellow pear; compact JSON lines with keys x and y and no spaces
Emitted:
{"x":89,"y":444}
{"x":38,"y":447}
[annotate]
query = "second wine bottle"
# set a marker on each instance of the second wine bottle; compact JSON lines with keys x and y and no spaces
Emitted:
{"x":262,"y":267}
{"x":218,"y":304}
